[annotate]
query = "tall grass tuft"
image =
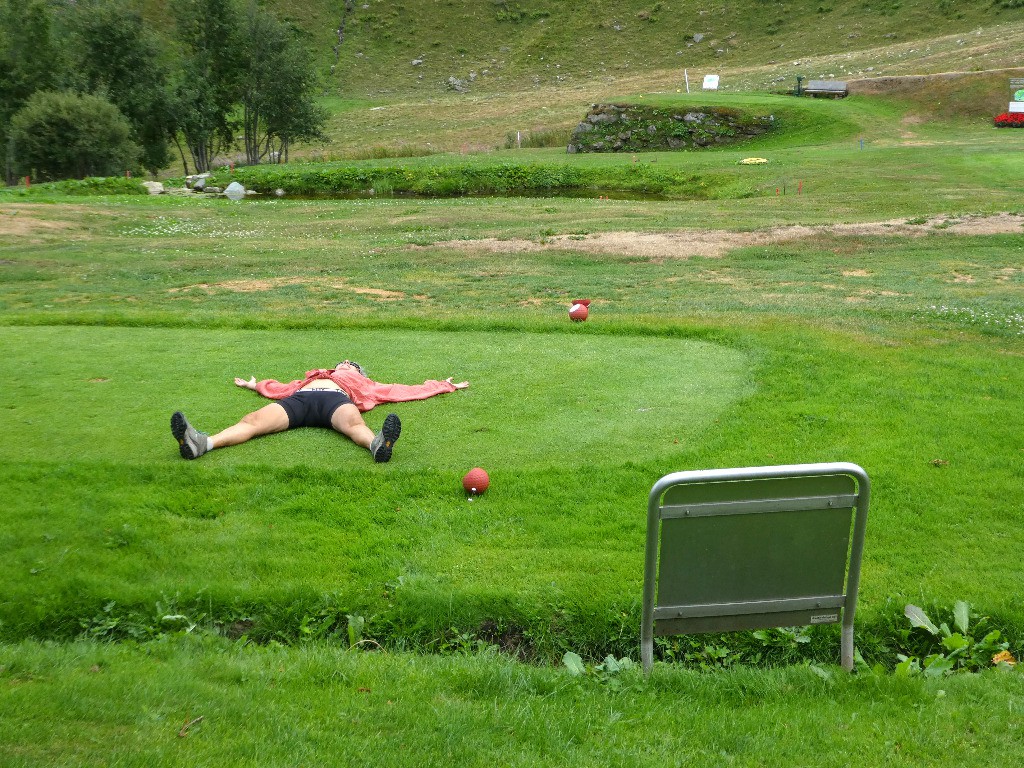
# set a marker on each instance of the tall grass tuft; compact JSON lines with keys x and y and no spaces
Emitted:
{"x":386,"y":151}
{"x":538,"y":138}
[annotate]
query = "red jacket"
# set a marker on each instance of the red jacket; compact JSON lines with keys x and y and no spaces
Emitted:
{"x":362,"y":391}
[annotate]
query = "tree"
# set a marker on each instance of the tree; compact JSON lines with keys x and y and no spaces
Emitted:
{"x":68,"y":135}
{"x":277,"y":88}
{"x":207,"y":87}
{"x":117,"y":56}
{"x":30,"y":60}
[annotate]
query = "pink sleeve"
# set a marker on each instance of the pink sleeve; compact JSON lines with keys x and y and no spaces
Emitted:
{"x":401,"y":393}
{"x":275,"y":390}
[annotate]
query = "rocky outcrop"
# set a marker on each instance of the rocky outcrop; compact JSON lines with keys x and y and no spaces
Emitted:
{"x":639,"y":128}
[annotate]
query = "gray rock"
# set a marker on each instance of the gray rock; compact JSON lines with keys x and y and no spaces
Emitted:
{"x":454,"y":84}
{"x":154,"y":187}
{"x":698,"y":37}
{"x":234,"y":191}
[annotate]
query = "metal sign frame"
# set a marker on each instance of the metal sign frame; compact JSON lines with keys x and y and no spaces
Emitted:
{"x":754,"y":547}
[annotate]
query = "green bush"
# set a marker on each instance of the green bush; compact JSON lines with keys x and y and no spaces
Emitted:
{"x":109,"y":185}
{"x":455,"y":180}
{"x":71,"y":136}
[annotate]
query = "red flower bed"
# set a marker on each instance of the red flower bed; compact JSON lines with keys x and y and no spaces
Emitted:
{"x":1010,"y":120}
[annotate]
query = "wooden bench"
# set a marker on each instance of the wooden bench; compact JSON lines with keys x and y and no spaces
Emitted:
{"x":831,"y":89}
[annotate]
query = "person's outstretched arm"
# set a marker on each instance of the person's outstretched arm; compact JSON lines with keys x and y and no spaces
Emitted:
{"x":373,"y":393}
{"x":271,"y":388}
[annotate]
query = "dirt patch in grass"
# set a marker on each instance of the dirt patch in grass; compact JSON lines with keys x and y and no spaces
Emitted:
{"x":380,"y":293}
{"x":269,"y":284}
{"x":23,"y":221}
{"x":688,"y":243}
{"x":243,"y":286}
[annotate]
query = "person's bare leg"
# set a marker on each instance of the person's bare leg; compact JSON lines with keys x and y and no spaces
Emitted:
{"x":266,"y":421}
{"x":349,"y":421}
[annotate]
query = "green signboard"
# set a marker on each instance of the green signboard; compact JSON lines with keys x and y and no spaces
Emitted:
{"x":1017,"y":89}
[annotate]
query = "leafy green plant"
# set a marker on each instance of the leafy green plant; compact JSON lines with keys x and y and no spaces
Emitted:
{"x":762,"y":647}
{"x":356,"y":624}
{"x":608,"y":672}
{"x":713,"y":656}
{"x":167,"y":617}
{"x":784,"y":642}
{"x":463,"y":643}
{"x":946,"y":651}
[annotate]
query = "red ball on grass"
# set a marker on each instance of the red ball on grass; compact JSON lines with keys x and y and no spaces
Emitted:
{"x":476,"y":481}
{"x":578,"y":313}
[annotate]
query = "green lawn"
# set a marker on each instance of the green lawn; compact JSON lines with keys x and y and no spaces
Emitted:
{"x":899,"y":353}
{"x":316,"y":705}
{"x":231,"y":584}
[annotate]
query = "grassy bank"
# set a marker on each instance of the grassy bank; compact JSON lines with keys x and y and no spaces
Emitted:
{"x":193,"y":704}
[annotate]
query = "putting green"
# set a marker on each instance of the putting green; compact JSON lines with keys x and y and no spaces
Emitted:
{"x":106,"y":394}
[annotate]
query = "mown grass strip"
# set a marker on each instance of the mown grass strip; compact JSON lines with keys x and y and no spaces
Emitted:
{"x":210,"y":703}
{"x":294,"y":528}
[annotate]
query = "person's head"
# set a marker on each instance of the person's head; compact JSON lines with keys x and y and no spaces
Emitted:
{"x":351,"y":364}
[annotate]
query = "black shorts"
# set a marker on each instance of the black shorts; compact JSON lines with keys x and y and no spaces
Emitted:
{"x":313,"y":407}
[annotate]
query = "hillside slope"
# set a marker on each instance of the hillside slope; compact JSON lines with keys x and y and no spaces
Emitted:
{"x":390,"y":47}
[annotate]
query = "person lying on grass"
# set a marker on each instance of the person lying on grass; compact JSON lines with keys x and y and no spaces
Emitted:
{"x":327,"y":397}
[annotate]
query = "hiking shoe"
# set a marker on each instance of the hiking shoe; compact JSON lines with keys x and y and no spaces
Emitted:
{"x":191,"y":442}
{"x":385,"y":439}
